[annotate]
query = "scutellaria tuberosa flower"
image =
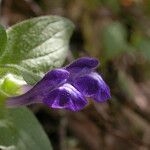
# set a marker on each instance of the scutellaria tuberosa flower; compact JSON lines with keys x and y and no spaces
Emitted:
{"x":67,"y":88}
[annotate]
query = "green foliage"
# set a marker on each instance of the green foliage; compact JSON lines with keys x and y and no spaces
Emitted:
{"x":22,"y":131}
{"x":19,"y":128}
{"x":35,"y":46}
{"x":142,"y":45}
{"x":3,"y":39}
{"x":114,"y":40}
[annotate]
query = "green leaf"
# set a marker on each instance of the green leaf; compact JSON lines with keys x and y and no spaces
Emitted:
{"x":22,"y":131}
{"x":19,"y":128}
{"x":7,"y":148}
{"x":114,"y":40}
{"x":3,"y":39}
{"x":36,"y":46}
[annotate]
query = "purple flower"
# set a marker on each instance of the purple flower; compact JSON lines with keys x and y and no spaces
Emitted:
{"x":67,"y":88}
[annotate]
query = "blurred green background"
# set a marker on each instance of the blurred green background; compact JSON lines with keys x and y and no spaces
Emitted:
{"x":117,"y":32}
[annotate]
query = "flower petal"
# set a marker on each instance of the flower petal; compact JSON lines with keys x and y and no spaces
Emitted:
{"x":53,"y":78}
{"x":66,"y":97}
{"x":84,"y":63}
{"x":92,"y":85}
{"x":35,"y":95}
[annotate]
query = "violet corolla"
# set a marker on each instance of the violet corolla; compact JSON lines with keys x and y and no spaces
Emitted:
{"x":67,"y":88}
